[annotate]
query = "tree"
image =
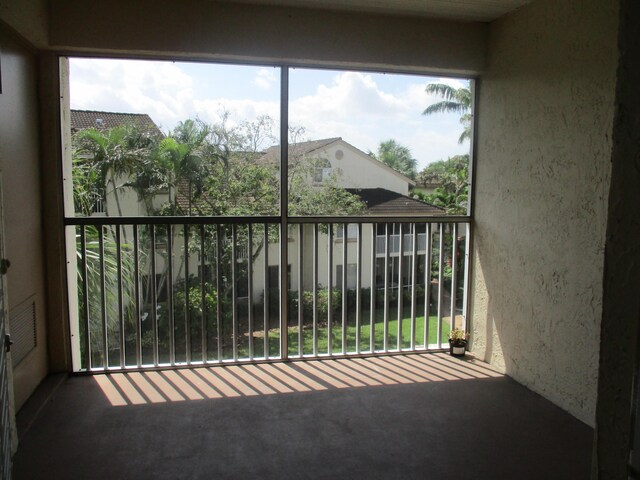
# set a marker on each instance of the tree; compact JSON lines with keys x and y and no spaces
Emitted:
{"x":396,"y":156}
{"x":452,"y":177}
{"x":110,"y":159}
{"x":221,"y":171}
{"x":456,"y":100}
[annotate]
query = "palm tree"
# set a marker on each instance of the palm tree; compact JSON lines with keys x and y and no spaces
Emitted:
{"x":116,"y":155}
{"x":184,"y":155}
{"x":396,"y":156}
{"x":456,"y":100}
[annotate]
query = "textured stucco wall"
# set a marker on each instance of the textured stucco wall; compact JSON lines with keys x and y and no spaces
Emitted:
{"x":546,"y":106}
{"x":619,"y":339}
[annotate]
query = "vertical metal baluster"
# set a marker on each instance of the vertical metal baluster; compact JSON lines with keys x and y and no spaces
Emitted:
{"x":85,"y":298}
{"x":219,"y":289}
{"x":440,"y":281}
{"x":120,"y":296}
{"x":427,"y":282}
{"x":136,"y":260}
{"x":187,"y":316}
{"x":386,"y":288}
{"x":284,"y":212}
{"x":344,"y":288}
{"x":372,"y":294}
{"x":205,"y":349}
{"x":265,"y":339}
{"x":400,"y":285}
{"x":330,"y":291}
{"x":315,"y":289}
{"x":358,"y":287}
{"x":172,"y":322}
{"x":154,"y":296}
{"x":234,"y":292}
{"x":103,"y":298}
{"x":300,"y":309}
{"x":250,"y":287}
{"x":454,"y":273}
{"x":414,"y":281}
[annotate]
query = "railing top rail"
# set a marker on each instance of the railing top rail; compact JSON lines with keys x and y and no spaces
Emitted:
{"x":168,"y":220}
{"x":193,"y":220}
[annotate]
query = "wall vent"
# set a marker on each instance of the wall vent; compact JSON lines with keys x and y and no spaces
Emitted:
{"x":22,"y":321}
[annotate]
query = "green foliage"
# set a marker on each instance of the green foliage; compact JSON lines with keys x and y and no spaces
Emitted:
{"x":109,"y":299}
{"x":452,"y":176}
{"x":456,"y":100}
{"x":103,"y":158}
{"x":396,"y":156}
{"x":458,"y":337}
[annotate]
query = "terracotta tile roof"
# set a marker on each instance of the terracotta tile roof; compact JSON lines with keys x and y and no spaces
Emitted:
{"x":81,"y":119}
{"x":380,"y":201}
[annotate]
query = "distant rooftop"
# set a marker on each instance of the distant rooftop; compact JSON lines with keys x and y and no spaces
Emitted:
{"x":82,"y":119}
{"x":380,"y":201}
{"x":302,"y":148}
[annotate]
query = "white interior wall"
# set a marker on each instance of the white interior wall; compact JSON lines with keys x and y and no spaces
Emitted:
{"x":545,"y":114}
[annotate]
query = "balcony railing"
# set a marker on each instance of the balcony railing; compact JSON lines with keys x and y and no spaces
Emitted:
{"x":212,"y":293}
{"x":394,"y":244}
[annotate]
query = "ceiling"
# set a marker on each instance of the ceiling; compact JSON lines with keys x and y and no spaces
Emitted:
{"x":467,"y":10}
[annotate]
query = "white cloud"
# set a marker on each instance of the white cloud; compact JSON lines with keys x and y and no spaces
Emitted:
{"x":364,"y":109}
{"x":160,"y":89}
{"x":265,"y":78}
{"x":357,"y":109}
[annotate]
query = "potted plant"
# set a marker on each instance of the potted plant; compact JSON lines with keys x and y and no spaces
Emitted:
{"x":458,"y":342}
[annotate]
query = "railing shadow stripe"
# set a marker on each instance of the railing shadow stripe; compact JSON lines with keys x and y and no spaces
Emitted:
{"x":217,"y":382}
{"x":456,"y":366}
{"x":401,"y":377}
{"x":379,"y":376}
{"x":355,"y":373}
{"x":291,"y":382}
{"x":299,"y":376}
{"x":180,"y":385}
{"x":149,"y":390}
{"x":431,"y":369}
{"x":328,"y":367}
{"x":132,"y":393}
{"x":330,"y":381}
{"x":199,"y":376}
{"x":163,"y":386}
{"x":111,"y":391}
{"x":450,"y":366}
{"x":471,"y":363}
{"x":415,"y":373}
{"x":251,"y":380}
{"x":236,"y":382}
{"x":196,"y":383}
{"x":269,"y":379}
{"x":425,"y":370}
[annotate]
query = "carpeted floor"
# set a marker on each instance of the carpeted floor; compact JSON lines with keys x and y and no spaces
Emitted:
{"x":426,"y":416}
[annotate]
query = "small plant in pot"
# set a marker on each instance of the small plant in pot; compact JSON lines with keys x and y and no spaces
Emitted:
{"x":458,"y":342}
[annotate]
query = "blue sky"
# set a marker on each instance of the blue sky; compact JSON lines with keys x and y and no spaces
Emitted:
{"x":361,"y":107}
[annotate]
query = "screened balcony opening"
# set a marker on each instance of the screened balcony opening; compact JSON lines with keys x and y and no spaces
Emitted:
{"x":195,"y":238}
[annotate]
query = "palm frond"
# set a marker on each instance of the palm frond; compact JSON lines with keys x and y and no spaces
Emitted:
{"x":445,"y":107}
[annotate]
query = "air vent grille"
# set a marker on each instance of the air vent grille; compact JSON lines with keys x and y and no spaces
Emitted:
{"x":23,"y":330}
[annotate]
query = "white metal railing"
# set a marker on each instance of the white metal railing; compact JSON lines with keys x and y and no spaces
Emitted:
{"x":212,"y":293}
{"x":394,"y":244}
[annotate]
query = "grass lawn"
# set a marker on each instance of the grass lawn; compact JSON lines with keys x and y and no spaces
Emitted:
{"x":365,"y":332}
